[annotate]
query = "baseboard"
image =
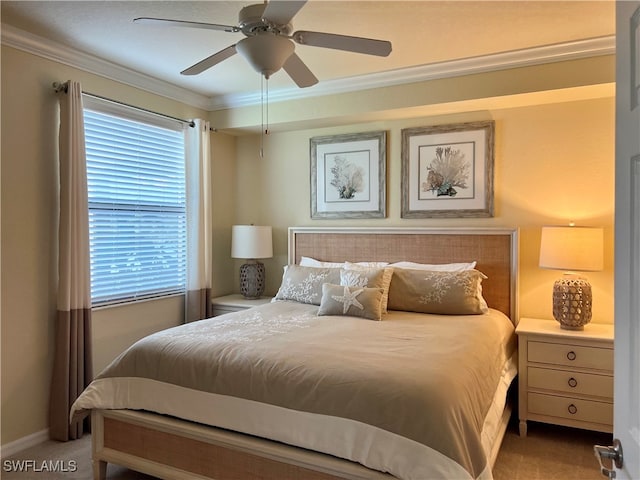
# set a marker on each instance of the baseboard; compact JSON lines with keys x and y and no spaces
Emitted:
{"x":23,"y":443}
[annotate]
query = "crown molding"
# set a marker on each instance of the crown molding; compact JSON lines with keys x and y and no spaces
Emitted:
{"x":574,"y":50}
{"x":36,"y":45}
{"x":591,"y":47}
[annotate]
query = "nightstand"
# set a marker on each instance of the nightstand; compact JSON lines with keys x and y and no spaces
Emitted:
{"x":235,"y":303}
{"x":565,"y":376}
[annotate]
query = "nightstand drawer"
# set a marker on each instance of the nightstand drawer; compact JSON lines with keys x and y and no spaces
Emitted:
{"x":571,"y":382}
{"x":571,"y":408}
{"x":571,"y":355}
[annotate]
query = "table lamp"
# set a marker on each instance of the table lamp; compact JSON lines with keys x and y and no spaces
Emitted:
{"x":572,"y":249}
{"x":251,"y":242}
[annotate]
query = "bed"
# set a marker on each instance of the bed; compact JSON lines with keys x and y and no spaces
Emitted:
{"x":312,"y":390}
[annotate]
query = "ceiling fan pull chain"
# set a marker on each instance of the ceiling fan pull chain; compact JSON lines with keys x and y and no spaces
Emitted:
{"x":264,"y":114}
{"x":266,"y":130}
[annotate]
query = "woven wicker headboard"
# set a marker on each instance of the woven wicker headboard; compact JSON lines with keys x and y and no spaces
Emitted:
{"x":494,"y":250}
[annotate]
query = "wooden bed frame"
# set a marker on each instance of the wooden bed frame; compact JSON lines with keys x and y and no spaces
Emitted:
{"x":171,"y":448}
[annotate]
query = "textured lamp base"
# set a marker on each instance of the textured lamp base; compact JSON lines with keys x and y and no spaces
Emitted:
{"x":252,"y":280}
{"x":572,"y":302}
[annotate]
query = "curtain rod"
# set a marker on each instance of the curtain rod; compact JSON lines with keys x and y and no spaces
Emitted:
{"x":62,"y":87}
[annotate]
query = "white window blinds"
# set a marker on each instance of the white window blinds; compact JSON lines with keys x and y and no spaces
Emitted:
{"x":137,"y":220}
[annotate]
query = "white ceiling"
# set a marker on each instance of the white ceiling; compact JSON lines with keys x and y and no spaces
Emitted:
{"x":422,"y":33}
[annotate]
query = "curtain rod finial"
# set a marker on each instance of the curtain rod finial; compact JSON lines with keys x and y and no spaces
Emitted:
{"x":60,"y":87}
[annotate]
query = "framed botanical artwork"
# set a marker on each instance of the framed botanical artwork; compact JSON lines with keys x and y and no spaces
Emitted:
{"x":348,"y":174}
{"x":447,"y":171}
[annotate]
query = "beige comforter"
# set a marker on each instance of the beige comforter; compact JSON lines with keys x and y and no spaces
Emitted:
{"x":429,"y":379}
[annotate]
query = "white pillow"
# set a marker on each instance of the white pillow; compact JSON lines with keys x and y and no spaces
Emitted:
{"x":312,"y":262}
{"x":436,"y":267}
{"x":365,"y":264}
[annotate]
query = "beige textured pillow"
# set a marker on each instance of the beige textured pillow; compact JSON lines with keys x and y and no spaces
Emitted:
{"x":351,"y":301}
{"x":358,"y":275}
{"x":450,"y":293}
{"x":304,"y":284}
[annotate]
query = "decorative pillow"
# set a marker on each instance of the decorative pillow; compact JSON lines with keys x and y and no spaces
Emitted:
{"x":436,"y":267}
{"x":304,"y":284}
{"x":450,"y":293}
{"x":357,"y":275}
{"x":361,"y":302}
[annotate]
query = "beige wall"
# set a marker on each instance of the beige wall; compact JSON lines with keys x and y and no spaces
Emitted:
{"x":29,"y":235}
{"x":554,"y":163}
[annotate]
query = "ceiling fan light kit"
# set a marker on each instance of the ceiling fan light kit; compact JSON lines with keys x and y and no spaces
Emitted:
{"x":266,"y":52}
{"x":269,"y":44}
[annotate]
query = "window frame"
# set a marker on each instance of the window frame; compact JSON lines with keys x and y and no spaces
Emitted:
{"x":131,"y":113}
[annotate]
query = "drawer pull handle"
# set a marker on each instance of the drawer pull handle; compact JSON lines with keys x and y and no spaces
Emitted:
{"x":571,"y":355}
{"x":573,"y":383}
{"x":572,"y":409}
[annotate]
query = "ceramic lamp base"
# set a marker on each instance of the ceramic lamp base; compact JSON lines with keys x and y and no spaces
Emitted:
{"x":252,"y":280}
{"x":572,"y":302}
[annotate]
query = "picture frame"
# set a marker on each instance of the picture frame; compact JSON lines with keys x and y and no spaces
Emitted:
{"x":447,"y":170}
{"x":348,"y":175}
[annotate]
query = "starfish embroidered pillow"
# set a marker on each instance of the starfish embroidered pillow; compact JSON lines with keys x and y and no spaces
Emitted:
{"x":351,"y":301}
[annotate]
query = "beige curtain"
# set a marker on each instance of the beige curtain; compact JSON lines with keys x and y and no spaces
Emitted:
{"x":72,"y":366}
{"x":199,"y":222}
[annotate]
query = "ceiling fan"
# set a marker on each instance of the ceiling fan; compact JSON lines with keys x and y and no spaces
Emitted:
{"x":269,"y":44}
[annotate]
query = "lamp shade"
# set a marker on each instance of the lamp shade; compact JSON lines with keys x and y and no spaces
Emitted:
{"x":571,"y":248}
{"x":251,"y":241}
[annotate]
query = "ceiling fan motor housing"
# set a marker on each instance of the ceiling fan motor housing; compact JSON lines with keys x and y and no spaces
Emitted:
{"x":251,"y":21}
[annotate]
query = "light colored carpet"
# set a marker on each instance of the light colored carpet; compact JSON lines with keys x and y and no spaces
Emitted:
{"x":547,"y":453}
{"x":72,"y":460}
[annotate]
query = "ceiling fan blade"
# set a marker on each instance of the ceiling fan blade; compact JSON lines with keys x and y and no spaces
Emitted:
{"x":210,"y":61}
{"x":369,"y":46}
{"x":183,"y":23}
{"x":299,"y":72}
{"x":280,"y":12}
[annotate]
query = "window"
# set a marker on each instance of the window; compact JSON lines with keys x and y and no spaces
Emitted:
{"x":136,"y":192}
